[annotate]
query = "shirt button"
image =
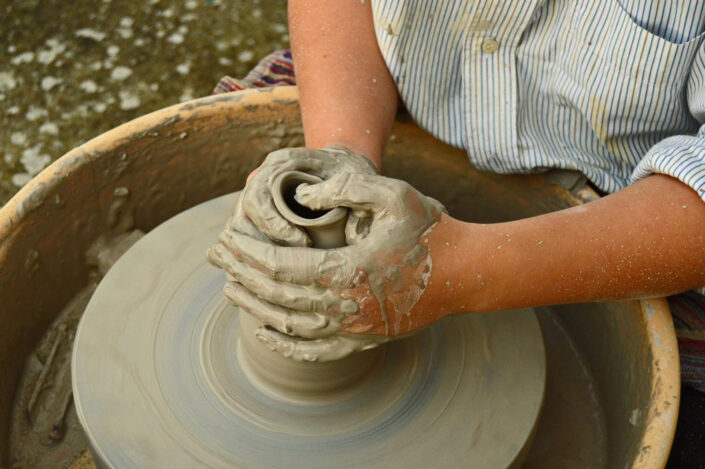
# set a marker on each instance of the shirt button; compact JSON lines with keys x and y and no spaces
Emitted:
{"x":489,"y":46}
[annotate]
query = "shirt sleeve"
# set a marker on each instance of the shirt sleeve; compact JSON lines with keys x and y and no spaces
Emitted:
{"x":683,"y":156}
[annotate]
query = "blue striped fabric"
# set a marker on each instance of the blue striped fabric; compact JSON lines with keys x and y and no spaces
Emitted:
{"x":612,"y":88}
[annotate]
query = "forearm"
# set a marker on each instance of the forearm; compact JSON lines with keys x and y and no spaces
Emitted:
{"x":646,"y":240}
{"x":346,"y":93}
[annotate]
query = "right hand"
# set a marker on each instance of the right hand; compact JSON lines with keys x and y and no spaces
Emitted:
{"x":255,"y":215}
{"x":323,"y":304}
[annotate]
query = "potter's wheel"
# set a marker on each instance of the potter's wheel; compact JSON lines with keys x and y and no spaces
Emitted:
{"x":160,"y":380}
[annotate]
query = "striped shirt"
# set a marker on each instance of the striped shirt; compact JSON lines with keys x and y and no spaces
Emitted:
{"x":612,"y":88}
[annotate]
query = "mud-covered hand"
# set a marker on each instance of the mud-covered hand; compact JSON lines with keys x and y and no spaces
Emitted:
{"x":257,"y":205}
{"x":345,"y":299}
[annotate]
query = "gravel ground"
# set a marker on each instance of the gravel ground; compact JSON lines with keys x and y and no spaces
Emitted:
{"x":72,"y":69}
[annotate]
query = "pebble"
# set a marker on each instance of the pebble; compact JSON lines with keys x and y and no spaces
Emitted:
{"x":120,"y":72}
{"x":47,"y":56}
{"x":89,"y":86}
{"x":35,"y":113}
{"x":245,"y":56}
{"x":176,"y":38}
{"x":128,"y":100}
{"x":49,"y":82}
{"x":125,"y":33}
{"x":49,"y":128}
{"x":18,"y":138}
{"x":23,"y":58}
{"x":7,"y":81}
{"x":33,"y":161}
{"x":91,"y":34}
{"x":21,"y":179}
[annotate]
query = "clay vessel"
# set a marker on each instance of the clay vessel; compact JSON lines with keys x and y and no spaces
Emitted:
{"x":326,"y":229}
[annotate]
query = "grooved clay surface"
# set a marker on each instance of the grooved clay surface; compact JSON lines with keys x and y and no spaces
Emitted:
{"x":159,"y":381}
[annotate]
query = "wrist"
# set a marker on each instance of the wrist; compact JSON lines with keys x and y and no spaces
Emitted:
{"x":470,"y":270}
{"x":447,"y":287}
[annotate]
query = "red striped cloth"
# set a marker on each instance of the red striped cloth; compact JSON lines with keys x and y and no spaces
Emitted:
{"x":276,"y":69}
{"x":687,"y":309}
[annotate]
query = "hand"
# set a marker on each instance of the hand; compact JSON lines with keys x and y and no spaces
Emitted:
{"x":343,"y":299}
{"x":257,"y":209}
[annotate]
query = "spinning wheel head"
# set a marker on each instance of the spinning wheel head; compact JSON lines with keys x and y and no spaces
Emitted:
{"x":164,"y":376}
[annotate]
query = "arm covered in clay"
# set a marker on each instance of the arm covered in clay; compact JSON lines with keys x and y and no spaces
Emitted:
{"x":323,"y":304}
{"x":415,"y":265}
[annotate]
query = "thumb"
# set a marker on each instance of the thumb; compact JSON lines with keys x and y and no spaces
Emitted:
{"x":363,"y":192}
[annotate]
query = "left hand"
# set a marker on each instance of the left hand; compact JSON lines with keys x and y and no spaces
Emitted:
{"x":371,"y":287}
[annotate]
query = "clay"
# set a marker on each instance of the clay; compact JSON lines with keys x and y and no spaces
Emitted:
{"x":325,"y":228}
{"x":386,"y":230}
{"x":258,"y":204}
{"x":159,"y":342}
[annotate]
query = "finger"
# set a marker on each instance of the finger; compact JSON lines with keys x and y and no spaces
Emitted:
{"x":299,"y":298}
{"x":259,"y":207}
{"x":326,"y":349}
{"x":258,"y":203}
{"x":241,"y":222}
{"x":310,"y":325}
{"x":301,"y":266}
{"x":323,"y":162}
{"x":362,"y":192}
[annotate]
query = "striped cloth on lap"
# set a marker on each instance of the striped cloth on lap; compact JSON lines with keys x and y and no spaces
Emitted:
{"x":276,"y":69}
{"x":688,"y":309}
